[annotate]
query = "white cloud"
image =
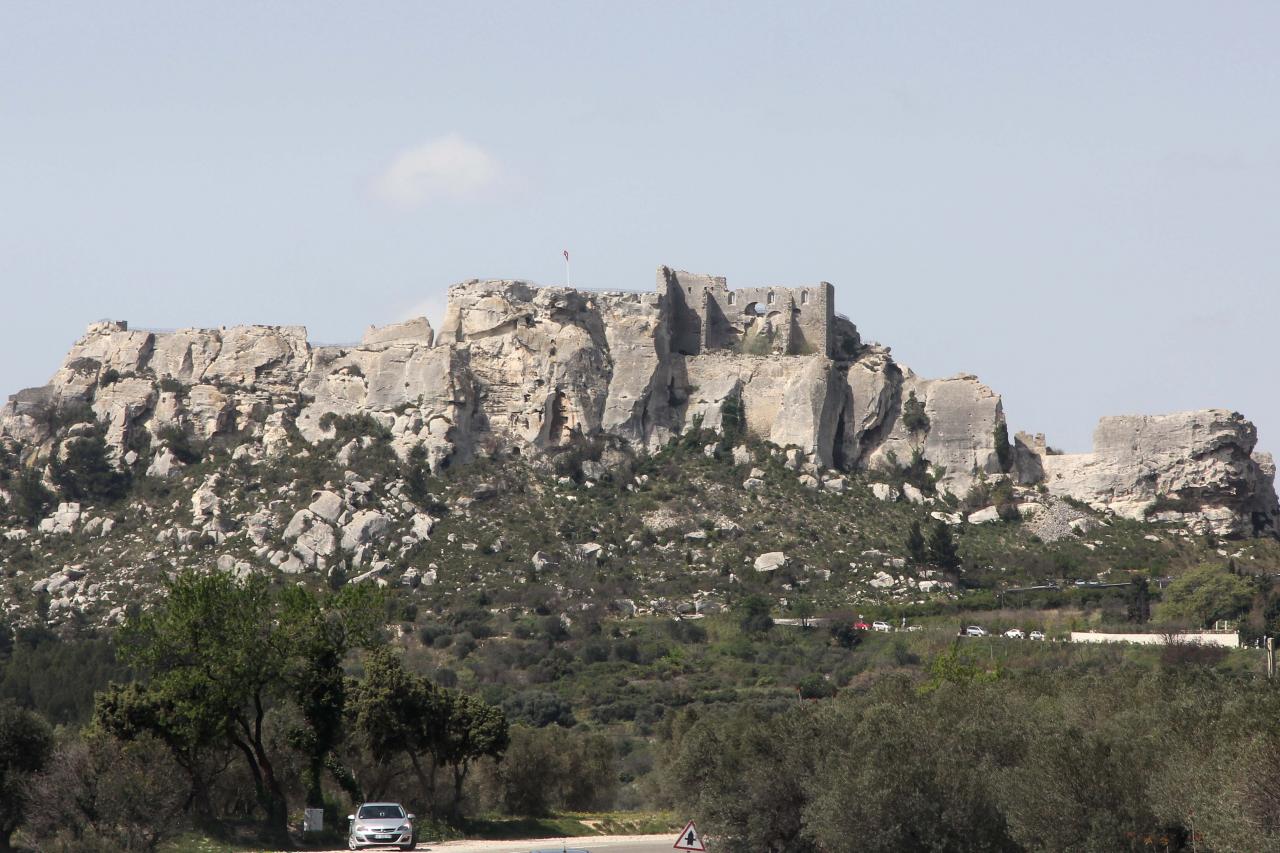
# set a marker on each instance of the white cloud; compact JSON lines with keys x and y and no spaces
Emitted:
{"x":448,"y":167}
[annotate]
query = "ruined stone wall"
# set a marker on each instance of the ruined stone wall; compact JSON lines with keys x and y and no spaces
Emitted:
{"x":687,"y":300}
{"x":801,"y":316}
{"x":706,"y":315}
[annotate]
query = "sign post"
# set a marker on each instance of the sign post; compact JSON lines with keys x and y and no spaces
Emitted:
{"x":689,"y":839}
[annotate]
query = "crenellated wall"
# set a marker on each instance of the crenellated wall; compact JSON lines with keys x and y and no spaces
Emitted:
{"x":706,"y":315}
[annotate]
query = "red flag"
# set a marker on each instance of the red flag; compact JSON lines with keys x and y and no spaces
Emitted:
{"x":566,"y":256}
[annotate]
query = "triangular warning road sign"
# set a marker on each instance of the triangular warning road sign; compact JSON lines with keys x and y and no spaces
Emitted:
{"x":689,"y":839}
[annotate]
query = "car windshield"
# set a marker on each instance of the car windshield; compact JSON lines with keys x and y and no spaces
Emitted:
{"x":380,"y":812}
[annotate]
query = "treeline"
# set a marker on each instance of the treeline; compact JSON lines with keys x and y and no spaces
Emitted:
{"x":1185,"y":758}
{"x":252,"y":700}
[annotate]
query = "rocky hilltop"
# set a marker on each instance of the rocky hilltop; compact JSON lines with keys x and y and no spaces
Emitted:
{"x":541,"y":370}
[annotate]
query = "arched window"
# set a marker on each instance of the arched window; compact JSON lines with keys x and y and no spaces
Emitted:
{"x":731,"y":297}
{"x":804,"y":297}
{"x":770,"y":299}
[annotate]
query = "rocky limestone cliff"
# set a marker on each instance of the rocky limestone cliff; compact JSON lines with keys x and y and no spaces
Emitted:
{"x":539,"y":369}
{"x":1197,"y":467}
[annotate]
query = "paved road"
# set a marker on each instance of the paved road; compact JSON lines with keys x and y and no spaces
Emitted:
{"x":597,"y":844}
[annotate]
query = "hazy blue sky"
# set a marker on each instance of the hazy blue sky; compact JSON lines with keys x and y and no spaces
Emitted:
{"x":1079,"y":202}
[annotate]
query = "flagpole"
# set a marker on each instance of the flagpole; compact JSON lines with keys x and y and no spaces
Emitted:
{"x":566,"y":269}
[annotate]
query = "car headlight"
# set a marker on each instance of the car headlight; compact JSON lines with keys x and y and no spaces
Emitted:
{"x":360,"y":827}
{"x":404,"y":827}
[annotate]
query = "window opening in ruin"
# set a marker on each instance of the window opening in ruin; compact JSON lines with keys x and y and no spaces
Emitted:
{"x":731,"y":295}
{"x":804,"y":298}
{"x":753,"y":309}
{"x":770,"y":300}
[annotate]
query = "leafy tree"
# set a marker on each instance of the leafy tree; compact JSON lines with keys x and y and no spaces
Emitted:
{"x":545,"y":769}
{"x":193,"y":737}
{"x":906,"y":773}
{"x":320,"y":633}
{"x":473,"y":730}
{"x":397,"y":713}
{"x":1138,"y":604}
{"x":417,"y":475}
{"x":31,"y":500}
{"x":815,"y":687}
{"x":221,"y":655}
{"x":942,"y":547}
{"x":1204,"y":595}
{"x":745,"y":775}
{"x":1080,"y":789}
{"x":953,"y":667}
{"x":83,"y":471}
{"x":102,"y":793}
{"x":845,"y":635}
{"x":755,"y":618}
{"x":541,"y":708}
{"x":218,"y":661}
{"x":913,"y":415}
{"x":1004,"y":451}
{"x":733,"y":420}
{"x":26,"y":743}
{"x":804,"y":609}
{"x":57,"y":676}
{"x":917,"y":553}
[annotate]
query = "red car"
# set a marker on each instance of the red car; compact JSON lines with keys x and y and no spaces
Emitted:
{"x":861,"y":626}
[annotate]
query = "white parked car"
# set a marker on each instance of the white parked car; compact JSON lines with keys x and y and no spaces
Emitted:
{"x":881,"y":626}
{"x":975,"y":631}
{"x":1015,"y":634}
{"x":381,"y":825}
{"x":1037,"y":635}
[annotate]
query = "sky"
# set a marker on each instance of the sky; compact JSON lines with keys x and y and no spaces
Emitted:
{"x":1078,"y":202}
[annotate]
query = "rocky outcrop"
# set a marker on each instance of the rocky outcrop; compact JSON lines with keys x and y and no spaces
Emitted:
{"x":516,"y":366}
{"x":1199,"y":467}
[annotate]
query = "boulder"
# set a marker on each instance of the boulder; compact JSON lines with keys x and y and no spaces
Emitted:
{"x":884,"y":492}
{"x":206,"y":506}
{"x":415,"y":331}
{"x":299,"y":523}
{"x":63,"y":519}
{"x":327,"y":505}
{"x":365,"y":527}
{"x":164,"y":464}
{"x":770,"y":561}
{"x":883,"y":580}
{"x":421,"y":525}
{"x":317,"y":542}
{"x":984,"y":515}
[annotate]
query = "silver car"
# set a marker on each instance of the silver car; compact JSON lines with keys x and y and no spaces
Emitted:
{"x":381,"y":825}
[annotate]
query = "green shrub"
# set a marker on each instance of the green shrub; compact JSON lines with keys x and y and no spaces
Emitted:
{"x":913,"y":415}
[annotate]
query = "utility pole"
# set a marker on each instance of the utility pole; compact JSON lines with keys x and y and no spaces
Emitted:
{"x":1271,"y":657}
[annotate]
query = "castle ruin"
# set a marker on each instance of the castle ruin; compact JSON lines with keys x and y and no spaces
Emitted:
{"x":707,"y":315}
